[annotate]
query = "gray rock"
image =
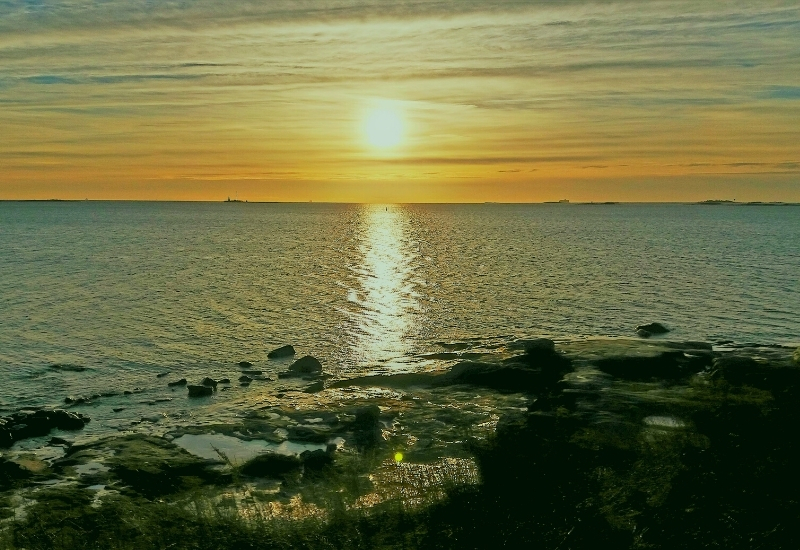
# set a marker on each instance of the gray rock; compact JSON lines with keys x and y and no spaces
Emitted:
{"x":283,"y":351}
{"x":199,"y":391}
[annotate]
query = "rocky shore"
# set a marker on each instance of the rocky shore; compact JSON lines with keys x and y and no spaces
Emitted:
{"x":633,"y":443}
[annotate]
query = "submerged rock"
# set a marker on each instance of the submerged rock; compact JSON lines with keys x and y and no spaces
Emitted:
{"x":199,"y":391}
{"x":245,"y":364}
{"x":283,"y":351}
{"x":270,"y":465}
{"x":69,"y":368}
{"x":181,"y":382}
{"x":209,"y":382}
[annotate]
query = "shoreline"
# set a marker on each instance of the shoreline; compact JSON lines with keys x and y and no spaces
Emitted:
{"x":472,"y":425}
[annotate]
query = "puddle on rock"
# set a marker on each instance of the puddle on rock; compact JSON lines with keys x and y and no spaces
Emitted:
{"x":237,"y":450}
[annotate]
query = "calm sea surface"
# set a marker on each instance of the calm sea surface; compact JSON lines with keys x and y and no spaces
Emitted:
{"x":130,"y":290}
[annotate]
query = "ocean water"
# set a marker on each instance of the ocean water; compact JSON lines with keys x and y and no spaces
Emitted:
{"x":130,"y":290}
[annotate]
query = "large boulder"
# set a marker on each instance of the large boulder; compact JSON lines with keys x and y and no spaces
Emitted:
{"x":283,"y":351}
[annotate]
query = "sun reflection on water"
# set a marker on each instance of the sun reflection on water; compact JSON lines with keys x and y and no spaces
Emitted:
{"x":384,"y":290}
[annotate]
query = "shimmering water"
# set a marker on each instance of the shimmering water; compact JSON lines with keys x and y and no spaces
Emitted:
{"x":131,"y":290}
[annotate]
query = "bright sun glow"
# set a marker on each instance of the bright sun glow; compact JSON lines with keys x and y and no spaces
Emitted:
{"x":384,"y":127}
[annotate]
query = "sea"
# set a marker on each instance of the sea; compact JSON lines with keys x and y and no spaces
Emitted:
{"x":122,"y":292}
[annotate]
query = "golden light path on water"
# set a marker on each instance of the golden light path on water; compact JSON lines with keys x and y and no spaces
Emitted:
{"x":384,"y":293}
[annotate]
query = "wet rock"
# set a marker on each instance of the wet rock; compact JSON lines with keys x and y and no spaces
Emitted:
{"x":118,"y":409}
{"x":181,"y":382}
{"x":245,"y":364}
{"x":59,"y":441}
{"x":653,"y":328}
{"x":162,"y":374}
{"x":305,"y":365}
{"x":11,"y":473}
{"x":643,"y":333}
{"x":270,"y":465}
{"x":150,"y":465}
{"x":199,"y":391}
{"x":283,"y":351}
{"x":71,"y":400}
{"x":224,"y":381}
{"x":209,"y":382}
{"x":27,"y":424}
{"x":667,"y":365}
{"x":245,"y":379}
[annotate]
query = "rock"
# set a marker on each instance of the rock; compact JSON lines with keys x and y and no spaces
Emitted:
{"x":283,"y":351}
{"x":653,"y":328}
{"x":315,"y":387}
{"x":118,"y":409}
{"x":181,"y":382}
{"x":270,"y":465}
{"x":224,"y":381}
{"x":245,"y":364}
{"x":305,"y":365}
{"x":68,"y":368}
{"x":315,"y":461}
{"x":199,"y":391}
{"x":667,"y":365}
{"x":26,"y":424}
{"x":209,"y":382}
{"x":245,"y":378}
{"x":153,"y":466}
{"x":162,"y":374}
{"x":643,"y":333}
{"x":366,"y":427}
{"x":11,"y":473}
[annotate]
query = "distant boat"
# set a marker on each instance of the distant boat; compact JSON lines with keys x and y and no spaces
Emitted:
{"x":233,"y":200}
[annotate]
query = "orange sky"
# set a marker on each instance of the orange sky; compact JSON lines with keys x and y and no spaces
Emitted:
{"x":675,"y":101}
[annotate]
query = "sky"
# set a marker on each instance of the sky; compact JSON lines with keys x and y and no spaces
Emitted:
{"x":487,"y":101}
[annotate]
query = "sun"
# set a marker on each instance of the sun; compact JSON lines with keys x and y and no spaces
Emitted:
{"x":384,"y":127}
